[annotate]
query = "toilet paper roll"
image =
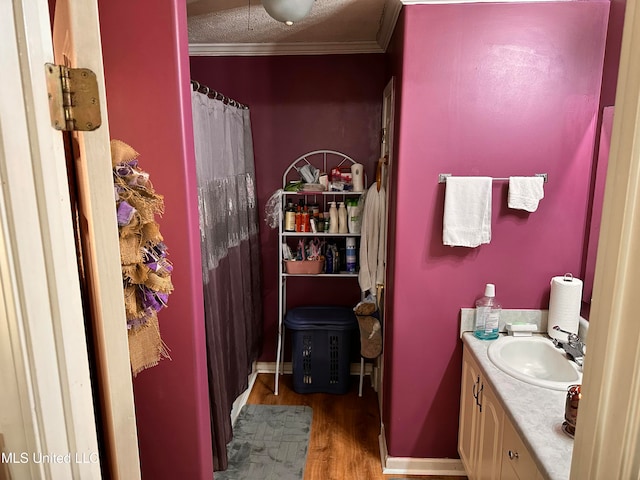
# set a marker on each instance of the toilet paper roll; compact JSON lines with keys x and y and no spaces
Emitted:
{"x":564,"y":306}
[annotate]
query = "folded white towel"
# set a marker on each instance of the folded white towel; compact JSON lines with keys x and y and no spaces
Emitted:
{"x":467,"y":211}
{"x":525,"y":193}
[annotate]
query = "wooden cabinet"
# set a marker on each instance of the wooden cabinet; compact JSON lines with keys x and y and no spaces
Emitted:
{"x":517,"y":463}
{"x":481,"y":418}
{"x":489,"y":446}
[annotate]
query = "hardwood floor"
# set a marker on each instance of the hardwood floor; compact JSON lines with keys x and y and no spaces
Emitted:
{"x":344,"y":433}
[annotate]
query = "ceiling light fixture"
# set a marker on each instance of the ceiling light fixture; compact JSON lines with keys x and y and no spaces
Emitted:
{"x":288,"y":11}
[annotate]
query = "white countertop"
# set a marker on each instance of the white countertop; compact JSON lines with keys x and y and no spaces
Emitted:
{"x":536,"y":413}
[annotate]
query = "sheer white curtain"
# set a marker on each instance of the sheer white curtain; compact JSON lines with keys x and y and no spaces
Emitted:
{"x":230,"y":255}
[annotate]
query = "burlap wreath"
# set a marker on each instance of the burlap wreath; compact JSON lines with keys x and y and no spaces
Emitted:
{"x":146,"y":272}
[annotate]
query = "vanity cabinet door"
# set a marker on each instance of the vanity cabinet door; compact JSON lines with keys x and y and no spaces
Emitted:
{"x":489,"y":435}
{"x":469,"y":411}
{"x":517,"y":463}
{"x":480,"y":429}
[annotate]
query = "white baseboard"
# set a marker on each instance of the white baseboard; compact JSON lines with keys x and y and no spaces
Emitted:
{"x":270,"y":367}
{"x":417,"y":466}
{"x":241,"y":401}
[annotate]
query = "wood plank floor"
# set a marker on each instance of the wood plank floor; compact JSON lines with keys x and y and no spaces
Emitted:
{"x":344,"y":433}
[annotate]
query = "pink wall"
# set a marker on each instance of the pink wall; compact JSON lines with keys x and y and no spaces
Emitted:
{"x":299,"y":104}
{"x":487,"y":89}
{"x":146,"y":67}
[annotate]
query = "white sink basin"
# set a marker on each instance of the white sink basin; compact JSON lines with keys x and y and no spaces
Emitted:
{"x":534,"y":360}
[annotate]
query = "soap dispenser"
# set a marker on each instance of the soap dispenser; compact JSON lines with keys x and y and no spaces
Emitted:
{"x":487,"y":314}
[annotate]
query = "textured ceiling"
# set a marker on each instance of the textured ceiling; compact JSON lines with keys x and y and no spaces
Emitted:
{"x":246,"y":22}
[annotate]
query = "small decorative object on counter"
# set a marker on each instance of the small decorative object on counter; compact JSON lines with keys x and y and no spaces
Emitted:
{"x":487,"y":314}
{"x":571,"y":410}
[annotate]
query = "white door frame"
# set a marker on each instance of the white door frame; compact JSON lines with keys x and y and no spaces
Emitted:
{"x":386,"y":150}
{"x":44,"y":356}
{"x":40,"y":287}
{"x":608,"y":433}
{"x":77,"y":40}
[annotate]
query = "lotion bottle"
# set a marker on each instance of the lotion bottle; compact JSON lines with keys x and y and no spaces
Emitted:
{"x":333,"y":218}
{"x":342,"y":219}
{"x":487,"y":314}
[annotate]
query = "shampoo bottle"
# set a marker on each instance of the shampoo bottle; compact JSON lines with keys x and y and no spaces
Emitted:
{"x":333,"y":218}
{"x":342,"y":219}
{"x":487,"y":314}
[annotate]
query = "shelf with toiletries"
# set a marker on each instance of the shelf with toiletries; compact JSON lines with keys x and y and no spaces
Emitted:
{"x":319,"y":232}
{"x":316,"y":275}
{"x":326,"y":193}
{"x":320,"y":255}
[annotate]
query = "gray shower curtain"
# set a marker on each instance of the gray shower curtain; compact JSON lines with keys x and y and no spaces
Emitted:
{"x":230,"y":256}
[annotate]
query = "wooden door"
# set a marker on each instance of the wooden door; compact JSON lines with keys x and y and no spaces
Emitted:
{"x":386,"y":152}
{"x":76,"y":42}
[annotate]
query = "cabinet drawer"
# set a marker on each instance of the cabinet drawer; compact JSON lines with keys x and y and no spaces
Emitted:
{"x":517,"y":463}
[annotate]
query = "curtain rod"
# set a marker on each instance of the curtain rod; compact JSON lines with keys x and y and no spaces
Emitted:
{"x":211,"y":93}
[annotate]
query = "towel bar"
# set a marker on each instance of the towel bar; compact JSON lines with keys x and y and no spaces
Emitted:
{"x":442,"y":177}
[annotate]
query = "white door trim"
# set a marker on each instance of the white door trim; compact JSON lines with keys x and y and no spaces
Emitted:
{"x":38,"y":262}
{"x":76,"y":36}
{"x":606,"y":443}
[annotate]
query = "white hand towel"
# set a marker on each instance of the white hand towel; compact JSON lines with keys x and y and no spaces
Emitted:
{"x":525,"y":193}
{"x":467,"y":211}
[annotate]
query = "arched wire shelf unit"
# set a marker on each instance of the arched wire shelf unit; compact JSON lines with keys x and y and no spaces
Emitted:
{"x":324,"y":161}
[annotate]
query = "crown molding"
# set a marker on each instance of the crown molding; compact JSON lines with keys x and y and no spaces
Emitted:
{"x":265,"y":49}
{"x":388,"y":22}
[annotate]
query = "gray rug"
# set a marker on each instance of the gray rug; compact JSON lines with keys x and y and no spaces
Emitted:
{"x":270,"y":442}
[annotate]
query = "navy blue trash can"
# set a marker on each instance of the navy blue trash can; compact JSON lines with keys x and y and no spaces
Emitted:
{"x":321,"y":348}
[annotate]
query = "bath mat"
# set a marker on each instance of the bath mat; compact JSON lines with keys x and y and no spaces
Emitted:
{"x":270,"y":442}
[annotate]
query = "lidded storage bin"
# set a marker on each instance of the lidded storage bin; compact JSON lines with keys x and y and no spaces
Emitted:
{"x":321,"y":348}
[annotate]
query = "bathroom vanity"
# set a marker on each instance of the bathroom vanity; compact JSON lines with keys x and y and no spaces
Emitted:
{"x":509,"y":429}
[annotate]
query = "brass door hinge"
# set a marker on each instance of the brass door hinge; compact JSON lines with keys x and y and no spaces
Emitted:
{"x":73,"y":98}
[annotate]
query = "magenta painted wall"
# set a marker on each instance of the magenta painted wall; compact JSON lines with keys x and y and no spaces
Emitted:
{"x":299,"y":104}
{"x":497,"y":90}
{"x":147,"y":80}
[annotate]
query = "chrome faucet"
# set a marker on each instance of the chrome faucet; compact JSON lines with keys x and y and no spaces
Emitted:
{"x":574,"y":347}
